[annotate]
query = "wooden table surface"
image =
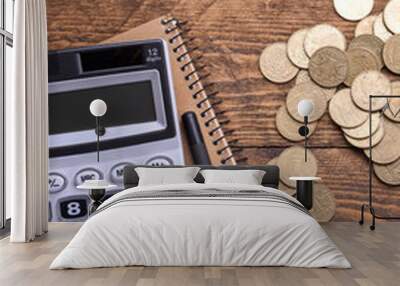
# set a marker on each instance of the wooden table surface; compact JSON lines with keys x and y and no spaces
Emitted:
{"x":231,"y":35}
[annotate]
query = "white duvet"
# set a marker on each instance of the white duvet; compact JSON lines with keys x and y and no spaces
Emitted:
{"x":200,"y":231}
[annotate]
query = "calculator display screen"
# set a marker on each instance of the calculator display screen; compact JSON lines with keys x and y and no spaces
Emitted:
{"x":128,"y":103}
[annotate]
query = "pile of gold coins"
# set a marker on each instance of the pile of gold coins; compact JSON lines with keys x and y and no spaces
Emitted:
{"x":339,"y":77}
{"x":291,"y":164}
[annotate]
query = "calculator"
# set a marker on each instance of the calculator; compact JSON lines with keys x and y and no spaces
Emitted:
{"x":140,"y":126}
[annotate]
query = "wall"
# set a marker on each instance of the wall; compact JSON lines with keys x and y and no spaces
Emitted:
{"x":231,"y":35}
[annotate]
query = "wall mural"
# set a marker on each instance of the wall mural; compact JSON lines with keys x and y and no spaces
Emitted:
{"x":244,"y":65}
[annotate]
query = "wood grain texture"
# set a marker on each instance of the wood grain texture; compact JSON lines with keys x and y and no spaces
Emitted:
{"x":232,"y":35}
{"x":375,"y":258}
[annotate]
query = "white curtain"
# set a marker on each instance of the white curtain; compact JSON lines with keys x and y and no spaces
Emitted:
{"x":27,"y":124}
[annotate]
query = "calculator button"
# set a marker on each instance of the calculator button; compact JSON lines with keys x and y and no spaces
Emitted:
{"x":87,"y":174}
{"x":73,"y":207}
{"x":117,"y":173}
{"x":159,"y":161}
{"x":56,"y":182}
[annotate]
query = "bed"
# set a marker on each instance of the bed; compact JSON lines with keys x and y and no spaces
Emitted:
{"x":201,"y":224}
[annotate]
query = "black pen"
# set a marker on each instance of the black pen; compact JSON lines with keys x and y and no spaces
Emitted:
{"x":195,"y":139}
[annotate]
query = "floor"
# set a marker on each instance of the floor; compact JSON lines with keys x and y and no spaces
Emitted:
{"x":375,"y":257}
{"x":4,"y":232}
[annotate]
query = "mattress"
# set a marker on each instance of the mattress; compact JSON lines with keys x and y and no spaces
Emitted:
{"x":201,"y":225}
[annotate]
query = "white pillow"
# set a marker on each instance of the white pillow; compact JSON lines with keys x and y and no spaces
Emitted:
{"x":163,"y":176}
{"x":248,"y":177}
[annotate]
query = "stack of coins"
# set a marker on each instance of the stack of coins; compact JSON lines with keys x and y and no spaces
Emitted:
{"x":339,"y":77}
{"x":316,"y":58}
{"x":291,"y":164}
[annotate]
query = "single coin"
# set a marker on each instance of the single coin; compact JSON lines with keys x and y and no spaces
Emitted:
{"x":303,"y":76}
{"x":292,"y":164}
{"x":389,"y":174}
{"x":362,"y":131}
{"x":370,"y":83}
{"x":391,"y":16}
{"x":392,"y":110}
{"x":380,"y":29}
{"x":365,"y":27}
{"x":391,"y":52}
{"x":371,"y":43}
{"x":273,"y":161}
{"x":387,"y":151}
{"x":324,"y":203}
{"x":353,"y":10}
{"x":360,"y":60}
{"x":344,"y":112}
{"x":306,"y":91}
{"x":275,"y":64}
{"x":289,"y":128}
{"x":329,"y":67}
{"x":377,"y":137}
{"x":295,"y":49}
{"x":282,"y":187}
{"x":323,"y":35}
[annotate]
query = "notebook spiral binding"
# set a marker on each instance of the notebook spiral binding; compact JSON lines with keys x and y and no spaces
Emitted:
{"x":205,"y":99}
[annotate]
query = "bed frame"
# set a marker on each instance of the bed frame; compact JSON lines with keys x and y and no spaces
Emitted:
{"x":271,"y":177}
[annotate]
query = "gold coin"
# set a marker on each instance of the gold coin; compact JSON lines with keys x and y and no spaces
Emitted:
{"x":393,"y":108}
{"x":343,"y":111}
{"x":370,"y":83}
{"x":360,"y":60}
{"x":329,"y":67}
{"x":391,"y":16}
{"x":306,"y":91}
{"x":380,"y":29}
{"x":391,"y":52}
{"x":377,"y":137}
{"x":324,"y":203}
{"x":353,"y":10}
{"x":275,"y":64}
{"x":291,"y":163}
{"x":295,"y":49}
{"x":282,"y":187}
{"x":273,"y":161}
{"x":371,"y":43}
{"x":289,"y":128}
{"x":387,"y":151}
{"x":362,"y":131}
{"x":323,"y":35}
{"x":303,"y":76}
{"x":389,"y":174}
{"x":365,"y":27}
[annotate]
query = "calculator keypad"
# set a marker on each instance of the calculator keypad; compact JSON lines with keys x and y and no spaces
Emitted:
{"x":159,"y":161}
{"x":67,"y":202}
{"x":87,"y":174}
{"x":73,"y":208}
{"x":57,"y":182}
{"x":50,"y":212}
{"x":117,"y":173}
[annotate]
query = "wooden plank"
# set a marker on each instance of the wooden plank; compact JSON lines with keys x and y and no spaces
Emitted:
{"x":374,"y":256}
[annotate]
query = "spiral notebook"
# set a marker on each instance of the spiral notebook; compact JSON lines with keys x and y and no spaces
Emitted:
{"x":191,"y":94}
